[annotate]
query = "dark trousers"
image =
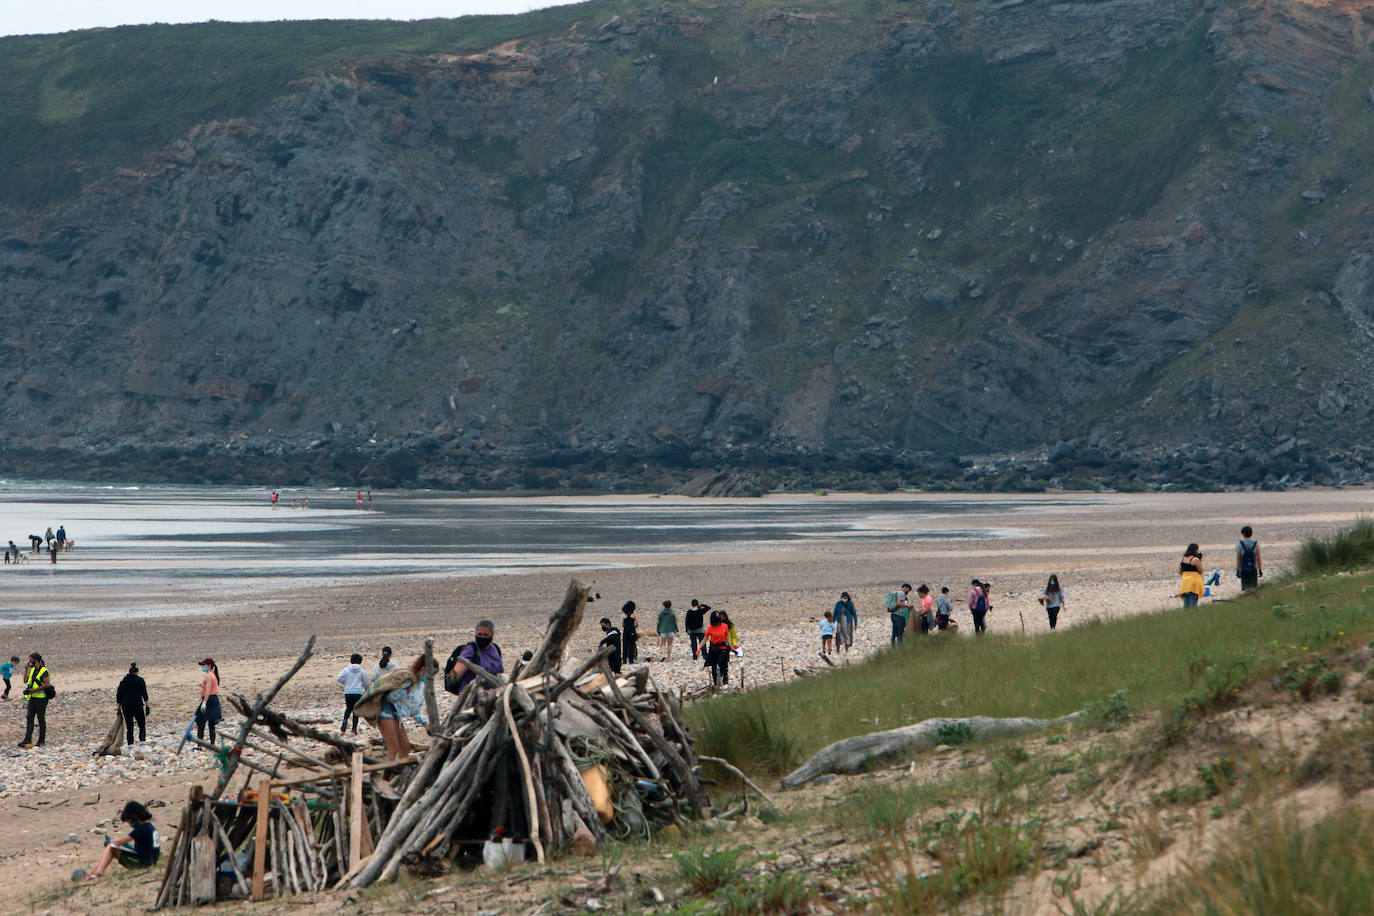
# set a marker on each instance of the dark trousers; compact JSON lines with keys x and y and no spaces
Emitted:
{"x":719,"y":660}
{"x":134,"y":714}
{"x":697,"y":639}
{"x":980,"y":621}
{"x":350,"y":700}
{"x":1054,"y":616}
{"x":1249,"y":580}
{"x":898,"y":627}
{"x":7,"y":688}
{"x":629,"y":650}
{"x":37,"y":712}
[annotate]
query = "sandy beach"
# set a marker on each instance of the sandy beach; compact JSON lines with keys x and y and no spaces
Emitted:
{"x":1115,"y":554}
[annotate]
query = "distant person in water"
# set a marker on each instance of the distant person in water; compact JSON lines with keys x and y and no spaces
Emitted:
{"x":1190,"y":576}
{"x":359,"y":501}
{"x":1249,"y":565}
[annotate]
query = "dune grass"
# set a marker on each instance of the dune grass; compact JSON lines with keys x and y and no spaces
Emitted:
{"x":1349,"y":548}
{"x":1191,"y":662}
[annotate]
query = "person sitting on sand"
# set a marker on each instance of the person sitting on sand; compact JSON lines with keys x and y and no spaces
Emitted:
{"x":610,"y":637}
{"x":667,"y":629}
{"x":1190,"y":576}
{"x":846,"y":618}
{"x":481,"y":651}
{"x":139,"y":848}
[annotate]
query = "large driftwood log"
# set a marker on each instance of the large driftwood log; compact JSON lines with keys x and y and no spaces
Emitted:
{"x":862,"y":752}
{"x":562,"y":625}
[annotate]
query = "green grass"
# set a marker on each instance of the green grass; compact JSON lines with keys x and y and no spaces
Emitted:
{"x":1194,"y":663}
{"x":1349,"y":548}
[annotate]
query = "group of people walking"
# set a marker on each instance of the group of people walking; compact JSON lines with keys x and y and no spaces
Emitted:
{"x":712,"y":635}
{"x":52,"y":541}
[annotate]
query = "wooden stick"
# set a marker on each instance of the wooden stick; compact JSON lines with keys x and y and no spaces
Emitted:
{"x":480,"y":673}
{"x":229,"y":850}
{"x":264,"y":736}
{"x":260,"y":840}
{"x":258,"y":707}
{"x":726,"y":765}
{"x":431,"y":669}
{"x":562,"y":625}
{"x":531,"y":802}
{"x":355,"y":813}
{"x":688,"y":779}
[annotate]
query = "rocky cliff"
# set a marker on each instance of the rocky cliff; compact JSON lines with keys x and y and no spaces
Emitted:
{"x":1123,"y":242}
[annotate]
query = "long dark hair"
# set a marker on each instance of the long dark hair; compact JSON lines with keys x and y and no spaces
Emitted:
{"x":1053,"y":584}
{"x":133,"y":811}
{"x":1191,"y":550}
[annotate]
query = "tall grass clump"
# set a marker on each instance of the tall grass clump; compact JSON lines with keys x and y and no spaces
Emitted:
{"x":1274,"y":866}
{"x":744,"y":736}
{"x":1349,"y":548}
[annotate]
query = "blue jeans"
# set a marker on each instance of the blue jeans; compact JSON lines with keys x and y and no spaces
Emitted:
{"x":898,"y":627}
{"x":1189,"y":599}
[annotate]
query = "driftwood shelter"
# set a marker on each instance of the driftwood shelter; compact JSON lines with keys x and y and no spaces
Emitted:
{"x":543,"y":759}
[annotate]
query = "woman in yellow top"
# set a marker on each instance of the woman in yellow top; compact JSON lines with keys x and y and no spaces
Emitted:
{"x":1190,"y":572}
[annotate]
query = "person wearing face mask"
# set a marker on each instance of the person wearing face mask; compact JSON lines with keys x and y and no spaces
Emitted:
{"x":208,"y":713}
{"x":384,"y":665}
{"x":481,"y":651}
{"x":611,"y":638}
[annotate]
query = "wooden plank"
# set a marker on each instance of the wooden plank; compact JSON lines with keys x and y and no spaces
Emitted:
{"x":341,"y":772}
{"x":203,"y":870}
{"x":355,"y":812}
{"x":260,"y":839}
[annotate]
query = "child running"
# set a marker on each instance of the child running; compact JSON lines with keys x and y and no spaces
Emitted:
{"x":7,"y":672}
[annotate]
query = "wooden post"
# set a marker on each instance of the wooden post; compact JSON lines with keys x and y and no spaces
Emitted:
{"x":260,"y":838}
{"x":355,"y":812}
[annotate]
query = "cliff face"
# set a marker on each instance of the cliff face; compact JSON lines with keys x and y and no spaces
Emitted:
{"x":1127,"y":240}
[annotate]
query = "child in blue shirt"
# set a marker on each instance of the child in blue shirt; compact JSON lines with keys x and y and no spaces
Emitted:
{"x":827,"y":633}
{"x":7,"y":672}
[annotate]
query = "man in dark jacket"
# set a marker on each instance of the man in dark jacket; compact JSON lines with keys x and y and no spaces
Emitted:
{"x":694,"y":622}
{"x":132,"y":699}
{"x":612,"y":639}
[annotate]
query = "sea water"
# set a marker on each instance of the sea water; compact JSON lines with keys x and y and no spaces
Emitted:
{"x":132,"y":540}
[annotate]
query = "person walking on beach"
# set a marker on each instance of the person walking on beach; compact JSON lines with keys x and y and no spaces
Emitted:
{"x":610,"y":636}
{"x":481,"y":651}
{"x":141,"y":847}
{"x":667,"y":629}
{"x":384,"y":665}
{"x":846,"y":618}
{"x":354,"y":681}
{"x":52,"y":550}
{"x":208,"y":713}
{"x":694,"y":621}
{"x":274,"y":499}
{"x":1190,"y":576}
{"x":978,"y":606}
{"x":37,"y":682}
{"x":718,"y":649}
{"x":7,"y":672}
{"x":629,"y":634}
{"x":827,"y":633}
{"x":899,"y":609}
{"x":1249,"y":566}
{"x":1053,"y":600}
{"x":132,"y":699}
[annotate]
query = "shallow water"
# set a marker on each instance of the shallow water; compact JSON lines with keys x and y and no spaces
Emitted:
{"x":136,"y":540}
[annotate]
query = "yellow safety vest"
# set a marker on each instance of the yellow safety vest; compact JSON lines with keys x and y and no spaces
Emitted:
{"x":35,"y":678}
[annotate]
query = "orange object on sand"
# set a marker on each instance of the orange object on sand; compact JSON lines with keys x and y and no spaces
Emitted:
{"x":599,"y":789}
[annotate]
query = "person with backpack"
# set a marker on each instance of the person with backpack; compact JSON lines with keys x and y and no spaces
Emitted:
{"x":978,"y":606}
{"x":694,"y":622}
{"x":37,"y":690}
{"x":898,"y":609}
{"x":1249,"y":567}
{"x":481,"y":651}
{"x":132,"y":699}
{"x":944,"y":608}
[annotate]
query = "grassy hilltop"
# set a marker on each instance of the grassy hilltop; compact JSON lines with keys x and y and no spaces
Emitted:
{"x":622,"y":240}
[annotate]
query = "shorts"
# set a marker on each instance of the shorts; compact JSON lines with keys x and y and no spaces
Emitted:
{"x":131,"y":860}
{"x":388,"y":710}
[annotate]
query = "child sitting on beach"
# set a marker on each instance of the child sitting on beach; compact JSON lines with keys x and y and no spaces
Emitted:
{"x":139,"y":848}
{"x":827,"y":633}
